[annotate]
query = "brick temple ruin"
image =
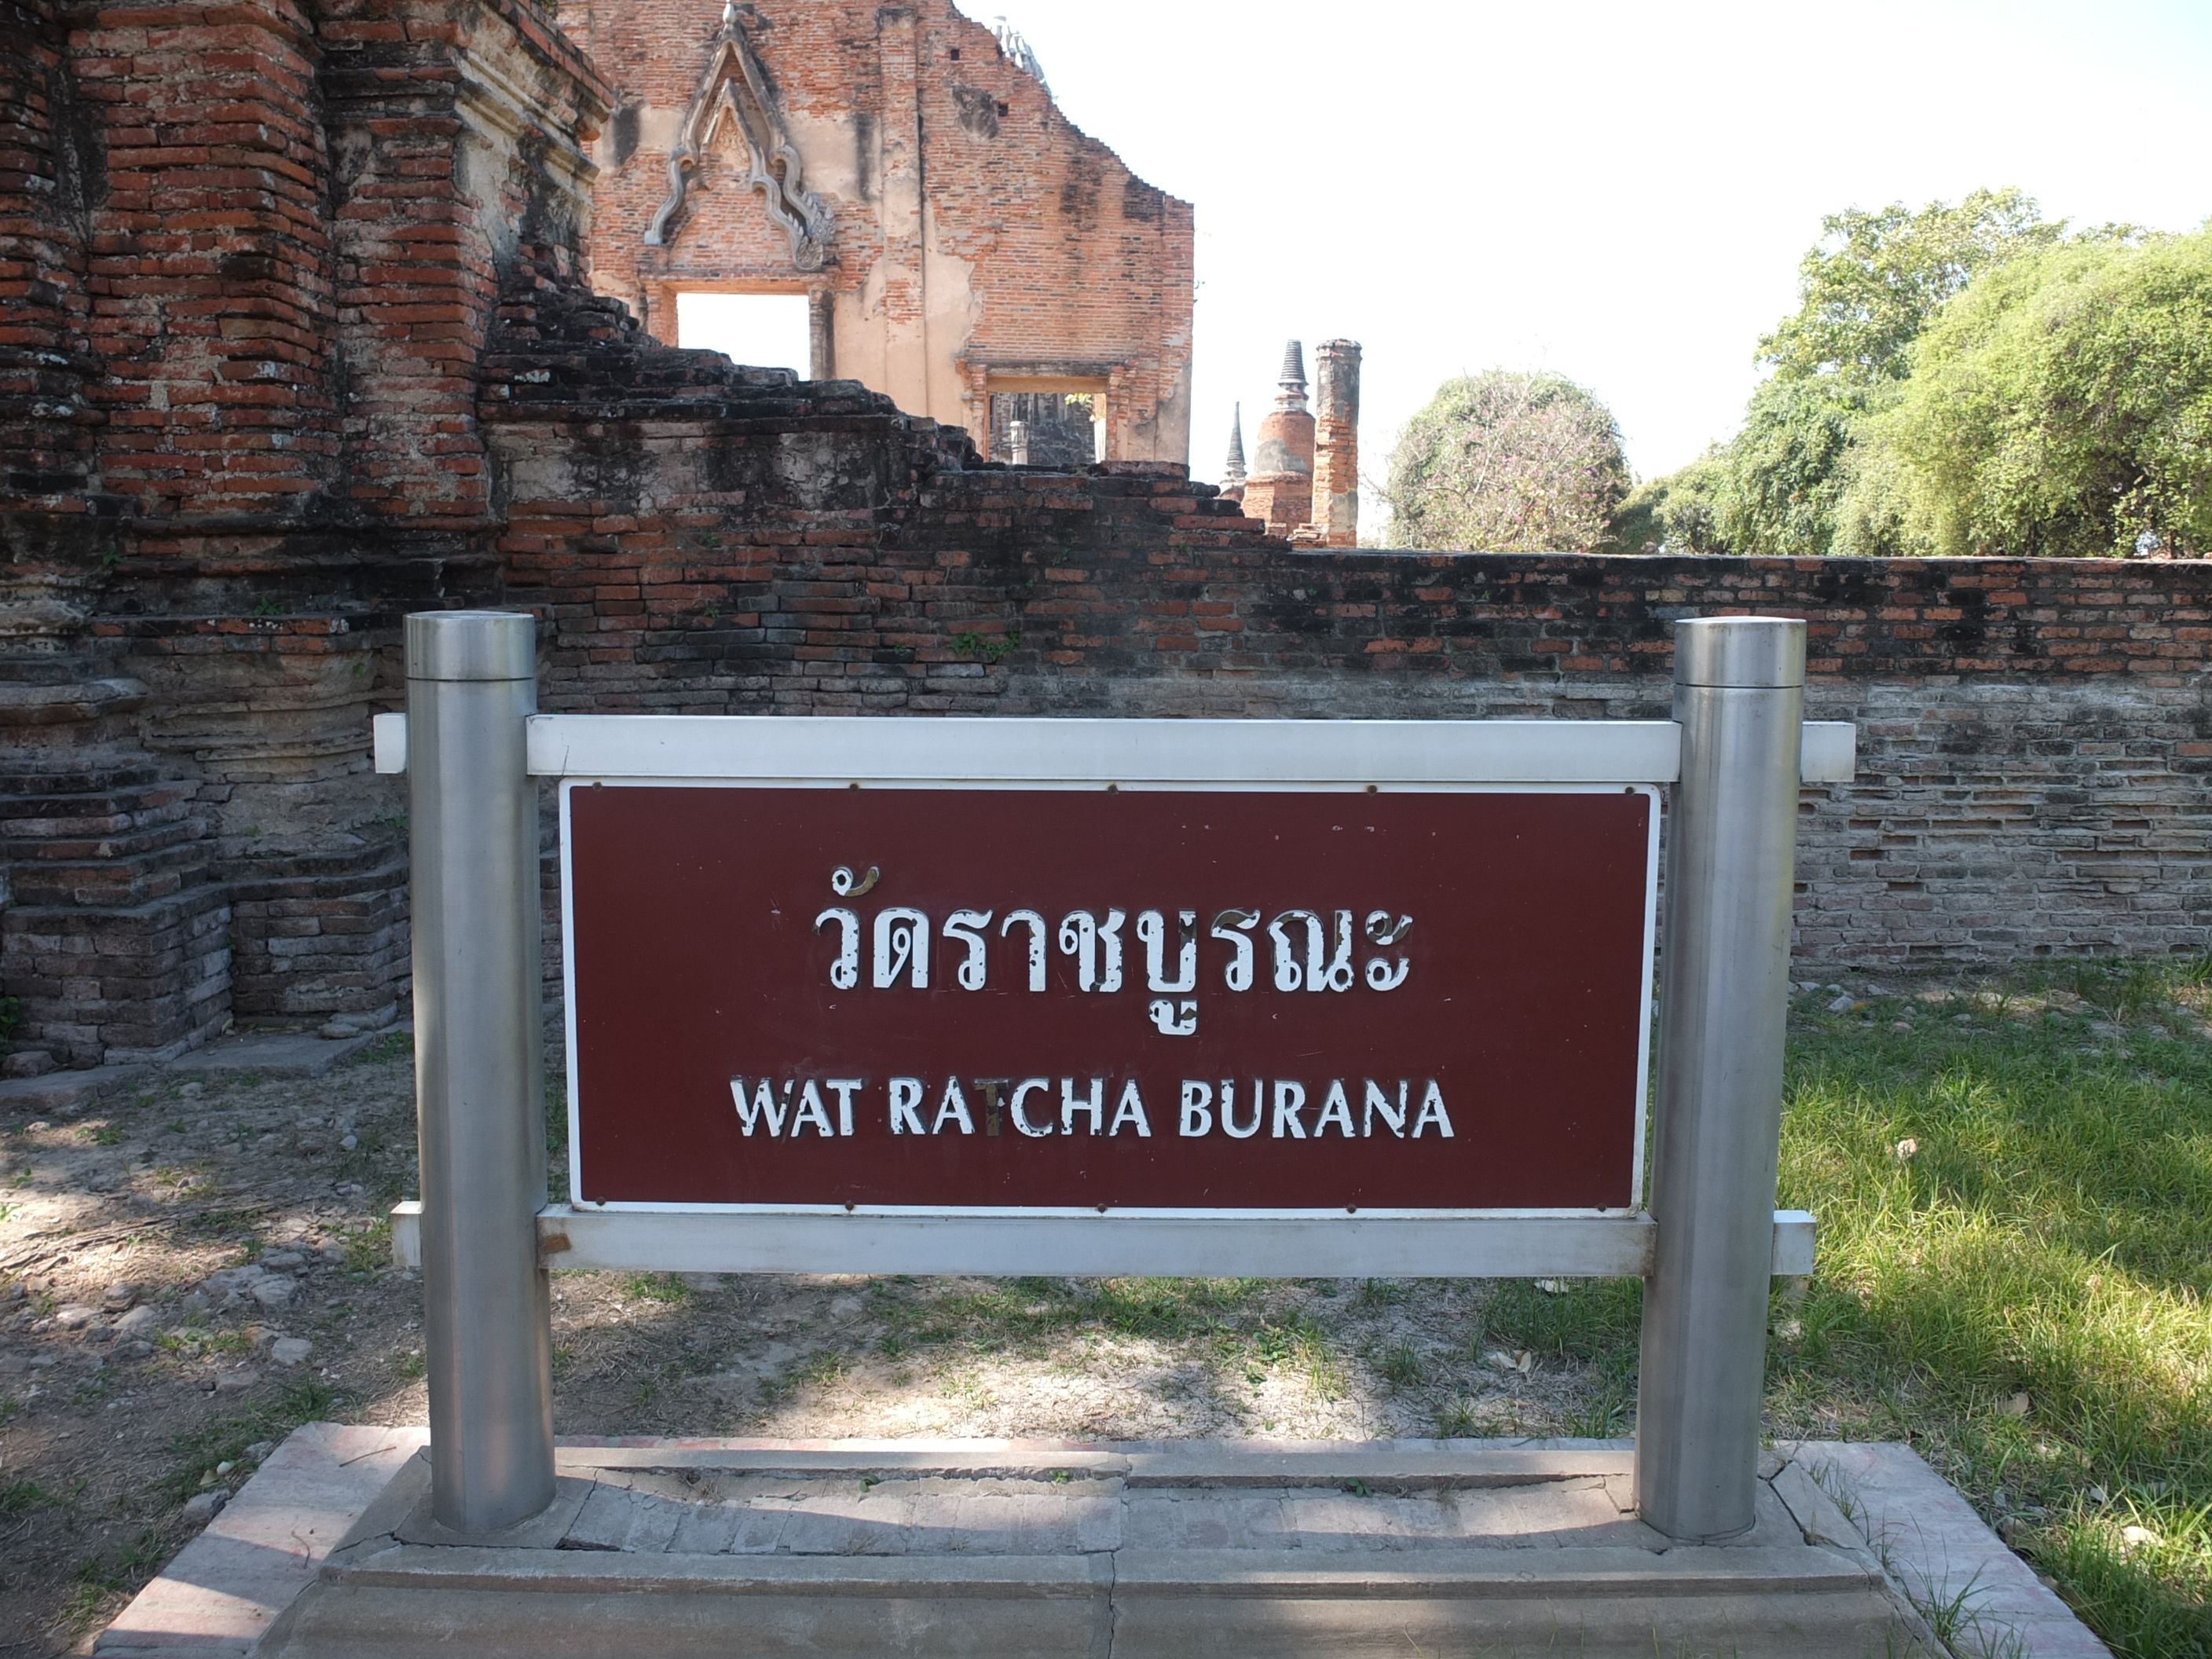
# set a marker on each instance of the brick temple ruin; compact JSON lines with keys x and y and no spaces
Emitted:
{"x":1303,"y":483}
{"x":299,"y":335}
{"x":907,"y":170}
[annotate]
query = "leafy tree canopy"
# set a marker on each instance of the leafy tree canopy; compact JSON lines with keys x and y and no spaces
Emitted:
{"x":1967,"y":379}
{"x":2060,"y":407}
{"x":1773,"y":488}
{"x":1677,"y":514}
{"x":1866,"y":292}
{"x":1508,"y":462}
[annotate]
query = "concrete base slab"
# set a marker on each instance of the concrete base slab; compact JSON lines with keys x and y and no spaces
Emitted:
{"x":224,"y":1589}
{"x":1941,"y":1551}
{"x":271,"y":1054}
{"x":1041,"y":1548}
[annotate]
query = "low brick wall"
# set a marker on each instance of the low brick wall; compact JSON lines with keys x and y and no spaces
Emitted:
{"x":2035,"y":741}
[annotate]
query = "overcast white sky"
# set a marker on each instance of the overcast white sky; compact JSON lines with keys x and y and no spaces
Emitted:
{"x":1616,"y":190}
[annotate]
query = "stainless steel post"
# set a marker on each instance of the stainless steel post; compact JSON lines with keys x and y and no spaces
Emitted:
{"x":1724,"y":993}
{"x":479,"y":1066}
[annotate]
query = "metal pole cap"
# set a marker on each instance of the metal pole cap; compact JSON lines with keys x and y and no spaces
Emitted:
{"x":471,"y":644}
{"x":1745,"y":653}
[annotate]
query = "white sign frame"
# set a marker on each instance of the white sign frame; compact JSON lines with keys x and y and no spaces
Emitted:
{"x":838,"y":751}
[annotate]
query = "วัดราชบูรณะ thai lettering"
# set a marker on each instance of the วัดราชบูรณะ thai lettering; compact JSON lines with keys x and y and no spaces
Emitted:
{"x":1297,"y":950}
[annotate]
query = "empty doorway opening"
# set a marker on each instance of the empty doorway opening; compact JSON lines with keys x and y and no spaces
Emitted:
{"x":760,"y":331}
{"x":1045,"y":429}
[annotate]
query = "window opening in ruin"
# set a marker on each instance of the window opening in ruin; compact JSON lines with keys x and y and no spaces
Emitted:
{"x":1056,"y":429}
{"x":764,"y":330}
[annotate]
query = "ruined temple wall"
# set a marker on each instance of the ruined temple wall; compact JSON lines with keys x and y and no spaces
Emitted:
{"x":2034,"y":739}
{"x":47,"y":427}
{"x":209,"y":258}
{"x":273,"y":244}
{"x":976,"y":233}
{"x":358,"y":373}
{"x":461,"y":131}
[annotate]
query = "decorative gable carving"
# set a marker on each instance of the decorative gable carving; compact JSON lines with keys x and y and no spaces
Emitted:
{"x":735,"y":91}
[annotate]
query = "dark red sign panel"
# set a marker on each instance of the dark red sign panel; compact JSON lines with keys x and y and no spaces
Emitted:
{"x":1217,"y":1000}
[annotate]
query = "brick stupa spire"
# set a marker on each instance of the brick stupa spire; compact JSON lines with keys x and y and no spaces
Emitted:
{"x":1280,"y":489}
{"x":1232,"y":470}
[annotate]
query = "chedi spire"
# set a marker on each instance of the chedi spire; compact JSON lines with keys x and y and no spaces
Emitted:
{"x":1280,"y":488}
{"x":1232,"y":470}
{"x":1292,"y":380}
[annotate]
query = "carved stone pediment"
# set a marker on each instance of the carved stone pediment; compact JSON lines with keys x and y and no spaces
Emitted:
{"x":734,"y":90}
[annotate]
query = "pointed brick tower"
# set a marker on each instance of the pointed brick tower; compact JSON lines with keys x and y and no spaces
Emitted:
{"x":1232,"y":470}
{"x":1280,"y":489}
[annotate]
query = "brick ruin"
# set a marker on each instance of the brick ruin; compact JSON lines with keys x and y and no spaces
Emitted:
{"x":907,"y":169}
{"x":252,"y":258}
{"x":299,"y":336}
{"x":1304,"y":481}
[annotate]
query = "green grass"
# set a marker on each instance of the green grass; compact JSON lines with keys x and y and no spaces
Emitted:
{"x":1303,"y":1344}
{"x":18,"y":1495}
{"x":390,"y":1046}
{"x":2047,"y":1233}
{"x":369,"y":1251}
{"x":193,"y":1340}
{"x":1402,"y":1368}
{"x":224,"y":1439}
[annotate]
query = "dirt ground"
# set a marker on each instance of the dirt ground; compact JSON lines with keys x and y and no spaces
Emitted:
{"x":189,"y":1270}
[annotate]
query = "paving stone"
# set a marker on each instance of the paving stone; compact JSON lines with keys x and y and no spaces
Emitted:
{"x":66,"y":1093}
{"x":705,"y":1529}
{"x":1940,"y":1549}
{"x":225,"y":1588}
{"x":274,"y":1054}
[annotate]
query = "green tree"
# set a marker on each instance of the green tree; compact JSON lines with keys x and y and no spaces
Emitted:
{"x":1797,"y":479}
{"x":1677,"y":514}
{"x":2059,"y":407}
{"x":1508,"y":462}
{"x":1773,"y":488}
{"x":1866,"y":292}
{"x":1789,"y":466}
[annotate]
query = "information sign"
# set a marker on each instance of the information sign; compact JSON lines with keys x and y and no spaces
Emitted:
{"x":1108,"y":999}
{"x":1091,"y":997}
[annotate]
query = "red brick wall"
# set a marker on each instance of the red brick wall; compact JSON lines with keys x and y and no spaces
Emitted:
{"x":439,"y":204}
{"x":1067,"y":257}
{"x":209,"y":256}
{"x":252,"y":254}
{"x":46,"y":429}
{"x":309,"y":349}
